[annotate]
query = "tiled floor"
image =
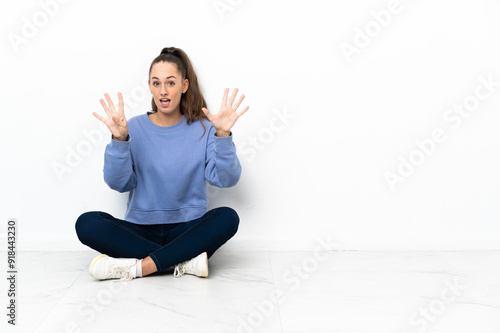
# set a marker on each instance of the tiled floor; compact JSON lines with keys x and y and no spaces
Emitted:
{"x":389,"y":292}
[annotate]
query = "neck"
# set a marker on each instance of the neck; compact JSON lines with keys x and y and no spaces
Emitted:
{"x":162,"y":119}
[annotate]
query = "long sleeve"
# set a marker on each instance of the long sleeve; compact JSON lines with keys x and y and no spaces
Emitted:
{"x":222,"y":167}
{"x":118,"y":166}
{"x":165,"y":169}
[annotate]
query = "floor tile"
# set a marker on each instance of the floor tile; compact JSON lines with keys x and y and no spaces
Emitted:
{"x":259,"y":291}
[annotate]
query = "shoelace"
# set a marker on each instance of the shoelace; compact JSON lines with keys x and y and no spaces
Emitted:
{"x":123,"y":271}
{"x":179,"y":270}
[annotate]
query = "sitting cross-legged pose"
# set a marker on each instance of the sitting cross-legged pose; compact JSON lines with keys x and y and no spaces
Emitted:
{"x":163,"y":158}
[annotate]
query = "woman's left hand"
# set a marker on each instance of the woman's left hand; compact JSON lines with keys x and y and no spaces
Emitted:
{"x":227,"y":116}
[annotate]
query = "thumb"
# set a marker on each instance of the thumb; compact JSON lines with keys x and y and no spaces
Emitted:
{"x":206,"y":112}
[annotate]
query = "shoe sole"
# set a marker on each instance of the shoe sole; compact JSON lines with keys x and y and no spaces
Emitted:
{"x":204,"y":268}
{"x":94,"y":261}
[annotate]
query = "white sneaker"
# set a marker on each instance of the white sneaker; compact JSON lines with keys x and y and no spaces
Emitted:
{"x":104,"y":267}
{"x":197,"y":266}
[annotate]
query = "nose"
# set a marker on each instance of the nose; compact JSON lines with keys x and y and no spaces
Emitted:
{"x":163,"y":91}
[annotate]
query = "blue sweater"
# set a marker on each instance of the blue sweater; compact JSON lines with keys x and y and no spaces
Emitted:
{"x":165,"y":169}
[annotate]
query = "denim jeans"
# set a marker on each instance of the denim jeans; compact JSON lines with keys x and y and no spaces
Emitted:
{"x":167,"y":244}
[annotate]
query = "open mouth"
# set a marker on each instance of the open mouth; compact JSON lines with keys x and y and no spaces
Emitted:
{"x":165,"y":102}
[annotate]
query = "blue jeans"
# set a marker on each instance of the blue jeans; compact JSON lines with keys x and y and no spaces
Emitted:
{"x":167,"y":244}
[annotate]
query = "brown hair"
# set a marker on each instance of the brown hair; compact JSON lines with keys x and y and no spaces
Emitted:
{"x":192,"y":100}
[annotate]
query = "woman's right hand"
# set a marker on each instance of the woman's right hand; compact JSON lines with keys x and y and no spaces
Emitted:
{"x":115,"y":121}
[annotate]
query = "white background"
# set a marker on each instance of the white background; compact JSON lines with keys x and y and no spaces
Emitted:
{"x":319,"y":168}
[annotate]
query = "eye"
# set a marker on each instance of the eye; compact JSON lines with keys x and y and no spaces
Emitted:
{"x":156,"y":84}
{"x":171,"y":83}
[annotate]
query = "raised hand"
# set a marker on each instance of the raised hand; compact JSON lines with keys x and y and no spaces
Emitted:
{"x":224,"y":120}
{"x":116,"y":122}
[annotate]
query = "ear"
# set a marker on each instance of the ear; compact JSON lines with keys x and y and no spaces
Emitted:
{"x":185,"y":86}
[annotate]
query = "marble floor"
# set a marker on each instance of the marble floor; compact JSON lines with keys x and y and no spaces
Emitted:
{"x":337,"y":291}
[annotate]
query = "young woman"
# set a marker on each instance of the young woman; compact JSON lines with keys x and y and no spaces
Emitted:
{"x":163,"y":158}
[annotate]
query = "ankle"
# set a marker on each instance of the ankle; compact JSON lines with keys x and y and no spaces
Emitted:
{"x":148,"y":266}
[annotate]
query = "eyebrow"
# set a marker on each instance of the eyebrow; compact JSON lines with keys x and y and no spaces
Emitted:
{"x":168,"y":77}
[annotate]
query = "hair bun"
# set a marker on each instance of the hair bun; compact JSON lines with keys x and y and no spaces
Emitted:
{"x":167,"y":50}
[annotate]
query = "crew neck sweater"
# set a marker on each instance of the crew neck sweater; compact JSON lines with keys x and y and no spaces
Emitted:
{"x":165,"y":169}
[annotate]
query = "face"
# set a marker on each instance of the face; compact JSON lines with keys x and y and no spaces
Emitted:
{"x":167,"y":86}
